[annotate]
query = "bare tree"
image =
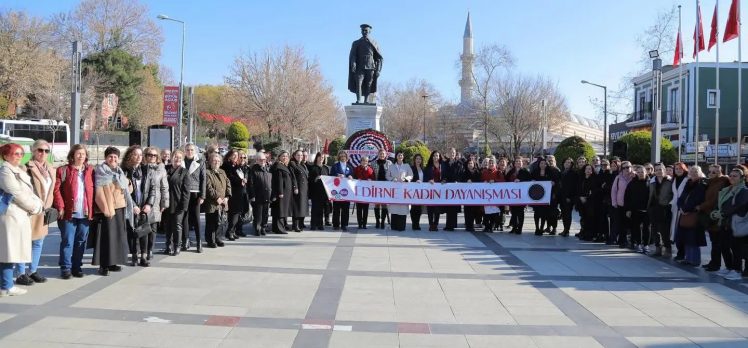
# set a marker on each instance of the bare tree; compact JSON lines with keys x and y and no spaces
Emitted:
{"x":283,"y":89}
{"x":491,"y":63}
{"x":108,"y":24}
{"x":406,"y":111}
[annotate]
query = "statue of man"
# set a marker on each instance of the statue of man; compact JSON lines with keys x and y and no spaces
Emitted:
{"x":365,"y":64}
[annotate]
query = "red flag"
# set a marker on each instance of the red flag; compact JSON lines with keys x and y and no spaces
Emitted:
{"x":326,"y":148}
{"x":713,"y":34}
{"x":733,"y":22}
{"x":698,"y":34}
{"x":678,"y":50}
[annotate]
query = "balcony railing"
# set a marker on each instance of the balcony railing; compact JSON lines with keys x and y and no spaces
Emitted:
{"x":640,"y":118}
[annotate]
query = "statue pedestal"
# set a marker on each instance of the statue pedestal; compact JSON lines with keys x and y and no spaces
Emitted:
{"x":362,"y":117}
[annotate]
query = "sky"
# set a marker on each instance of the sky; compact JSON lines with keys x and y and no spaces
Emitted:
{"x":567,"y":41}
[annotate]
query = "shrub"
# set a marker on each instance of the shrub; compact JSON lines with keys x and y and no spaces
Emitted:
{"x":238,"y":135}
{"x":573,"y":147}
{"x":411,"y":147}
{"x":639,"y":145}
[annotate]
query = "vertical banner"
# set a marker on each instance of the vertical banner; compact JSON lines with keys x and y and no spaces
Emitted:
{"x":171,"y":105}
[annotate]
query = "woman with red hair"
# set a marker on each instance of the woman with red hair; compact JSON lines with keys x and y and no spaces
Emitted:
{"x":17,"y":202}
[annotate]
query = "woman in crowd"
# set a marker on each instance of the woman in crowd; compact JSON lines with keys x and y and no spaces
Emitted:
{"x":689,"y":232}
{"x":588,"y":197}
{"x":501,"y":166}
{"x":179,"y":199}
{"x":518,"y":173}
{"x":143,"y":197}
{"x":541,"y":212}
{"x":567,"y":193}
{"x":660,"y":195}
{"x":491,"y":174}
{"x":317,"y":191}
{"x":300,"y":174}
{"x":617,"y":197}
{"x":433,"y":174}
{"x":732,"y":200}
{"x":218,"y":192}
{"x":472,"y":212}
{"x":283,"y":188}
{"x":680,"y":173}
{"x":161,"y":201}
{"x":399,"y":172}
{"x":716,"y":181}
{"x":20,"y":203}
{"x":115,"y":210}
{"x":340,"y":209}
{"x":635,"y":201}
{"x":363,"y":172}
{"x":42,"y":178}
{"x":74,"y":200}
{"x":232,"y":170}
{"x":416,"y":210}
{"x":381,"y":166}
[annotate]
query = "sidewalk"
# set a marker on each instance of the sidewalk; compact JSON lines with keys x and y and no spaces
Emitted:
{"x":380,"y":288}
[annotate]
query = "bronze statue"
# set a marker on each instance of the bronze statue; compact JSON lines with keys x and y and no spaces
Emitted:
{"x":365,"y":64}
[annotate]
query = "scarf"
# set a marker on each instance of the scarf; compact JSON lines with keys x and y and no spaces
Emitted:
{"x":726,"y":194}
{"x":105,"y":175}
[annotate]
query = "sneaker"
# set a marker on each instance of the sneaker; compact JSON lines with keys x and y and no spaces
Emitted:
{"x":37,"y":278}
{"x":14,"y":291}
{"x":723,"y":272}
{"x":733,"y":276}
{"x":25,"y":280}
{"x":639,"y":248}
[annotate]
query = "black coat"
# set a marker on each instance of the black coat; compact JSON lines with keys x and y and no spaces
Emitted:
{"x":260,"y":183}
{"x":300,"y":200}
{"x":452,"y":172}
{"x":473,"y":177}
{"x":568,"y":186}
{"x":238,"y":200}
{"x":693,"y":195}
{"x":283,"y":184}
{"x":179,"y":189}
{"x":316,"y":189}
{"x":636,"y":196}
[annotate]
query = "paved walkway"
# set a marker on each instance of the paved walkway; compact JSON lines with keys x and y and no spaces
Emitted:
{"x":377,"y":288}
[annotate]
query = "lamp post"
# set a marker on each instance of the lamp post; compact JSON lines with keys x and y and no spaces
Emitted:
{"x":181,"y":78}
{"x":605,"y":115}
{"x":657,"y":106}
{"x":424,"y":96}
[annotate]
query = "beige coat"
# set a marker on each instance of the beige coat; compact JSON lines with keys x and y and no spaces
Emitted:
{"x":15,"y":224}
{"x":38,"y":229}
{"x":399,"y":173}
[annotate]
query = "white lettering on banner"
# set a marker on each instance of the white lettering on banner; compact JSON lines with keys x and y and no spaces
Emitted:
{"x":390,"y":192}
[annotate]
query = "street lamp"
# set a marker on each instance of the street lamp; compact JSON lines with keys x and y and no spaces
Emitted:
{"x":605,"y":115}
{"x":181,"y":77}
{"x":424,"y":96}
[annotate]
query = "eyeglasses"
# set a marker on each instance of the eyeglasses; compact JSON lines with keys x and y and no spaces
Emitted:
{"x":151,"y":155}
{"x":625,"y":167}
{"x":42,"y":150}
{"x":714,"y":173}
{"x":244,"y":157}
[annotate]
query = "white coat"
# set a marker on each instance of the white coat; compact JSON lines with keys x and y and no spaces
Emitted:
{"x":15,"y":224}
{"x":399,"y":173}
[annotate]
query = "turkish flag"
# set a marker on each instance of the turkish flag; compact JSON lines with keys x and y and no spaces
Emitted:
{"x":733,"y":22}
{"x":713,"y":33}
{"x":698,"y":34}
{"x":678,"y":50}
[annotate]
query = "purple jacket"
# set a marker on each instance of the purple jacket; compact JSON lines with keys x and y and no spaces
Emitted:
{"x":618,"y":190}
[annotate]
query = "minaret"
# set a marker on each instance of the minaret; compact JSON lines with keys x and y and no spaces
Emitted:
{"x":467,"y":57}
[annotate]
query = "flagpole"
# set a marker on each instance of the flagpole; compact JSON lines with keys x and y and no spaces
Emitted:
{"x":716,"y":110}
{"x":740,"y":86}
{"x":681,"y":85}
{"x":696,"y":90}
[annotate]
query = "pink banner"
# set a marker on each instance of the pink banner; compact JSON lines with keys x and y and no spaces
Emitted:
{"x":171,"y":105}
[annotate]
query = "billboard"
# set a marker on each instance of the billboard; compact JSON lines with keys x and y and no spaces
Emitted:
{"x":171,"y":105}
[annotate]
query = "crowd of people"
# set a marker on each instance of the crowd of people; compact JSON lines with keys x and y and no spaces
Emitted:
{"x":118,"y":206}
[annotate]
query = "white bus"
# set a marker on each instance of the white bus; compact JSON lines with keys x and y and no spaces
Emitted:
{"x":56,"y":133}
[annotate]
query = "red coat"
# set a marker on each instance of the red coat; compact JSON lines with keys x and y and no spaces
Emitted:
{"x":65,"y":192}
{"x":495,"y":175}
{"x":362,"y":173}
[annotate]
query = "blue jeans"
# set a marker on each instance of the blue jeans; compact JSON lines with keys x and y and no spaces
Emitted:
{"x":7,"y":276}
{"x":73,"y":233}
{"x":693,"y":254}
{"x":36,"y":254}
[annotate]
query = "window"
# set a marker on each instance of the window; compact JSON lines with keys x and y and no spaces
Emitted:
{"x":673,"y":103}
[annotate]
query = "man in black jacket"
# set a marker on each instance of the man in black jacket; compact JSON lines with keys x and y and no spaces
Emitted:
{"x":259,"y":189}
{"x":453,"y":171}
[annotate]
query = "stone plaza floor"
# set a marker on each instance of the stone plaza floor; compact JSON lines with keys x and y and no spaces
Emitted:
{"x":379,"y":288}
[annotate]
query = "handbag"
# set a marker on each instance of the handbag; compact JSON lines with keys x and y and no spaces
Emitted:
{"x":223,"y":222}
{"x":738,"y":224}
{"x":142,"y":226}
{"x":688,"y":220}
{"x":50,"y":214}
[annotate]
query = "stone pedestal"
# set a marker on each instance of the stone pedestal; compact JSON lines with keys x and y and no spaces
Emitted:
{"x":362,"y":117}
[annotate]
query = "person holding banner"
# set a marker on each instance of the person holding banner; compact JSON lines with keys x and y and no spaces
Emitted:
{"x":432,"y":174}
{"x":317,"y":191}
{"x":301,"y":190}
{"x":541,"y":212}
{"x":416,"y":210}
{"x":399,"y":172}
{"x":452,"y":173}
{"x":381,"y":166}
{"x":491,"y":175}
{"x":472,"y":212}
{"x":340,"y":210}
{"x":518,"y":174}
{"x":283,"y":188}
{"x":363,"y":172}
